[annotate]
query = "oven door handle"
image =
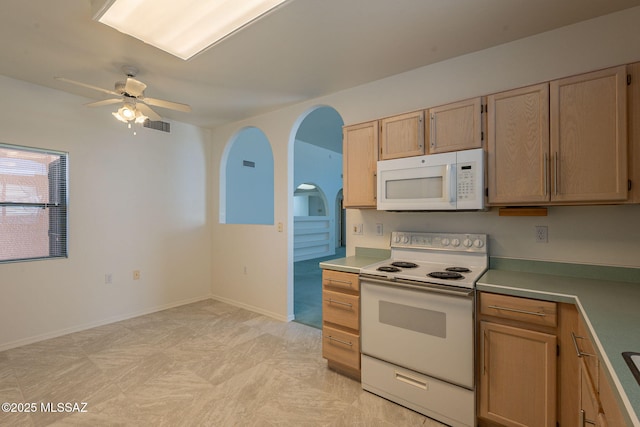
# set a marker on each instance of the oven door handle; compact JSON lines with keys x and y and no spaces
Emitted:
{"x":425,"y":287}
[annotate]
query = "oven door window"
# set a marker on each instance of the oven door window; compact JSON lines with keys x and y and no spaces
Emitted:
{"x":421,"y":320}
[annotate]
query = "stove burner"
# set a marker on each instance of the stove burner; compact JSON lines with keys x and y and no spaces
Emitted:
{"x":449,"y":275}
{"x":458,"y":269}
{"x":388,"y":269}
{"x":404,"y":264}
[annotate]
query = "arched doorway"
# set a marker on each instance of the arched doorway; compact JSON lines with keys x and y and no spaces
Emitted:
{"x":315,"y":151}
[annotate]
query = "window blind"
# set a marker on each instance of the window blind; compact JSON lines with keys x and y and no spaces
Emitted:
{"x":33,"y":203}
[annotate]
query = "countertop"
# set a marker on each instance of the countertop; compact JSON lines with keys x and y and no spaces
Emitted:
{"x":608,"y":299}
{"x":353,"y":264}
{"x":610,"y":308}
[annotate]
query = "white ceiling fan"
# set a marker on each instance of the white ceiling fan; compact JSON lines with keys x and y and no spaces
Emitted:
{"x":135,"y":105}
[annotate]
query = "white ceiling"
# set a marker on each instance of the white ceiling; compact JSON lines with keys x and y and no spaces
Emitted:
{"x":304,"y":49}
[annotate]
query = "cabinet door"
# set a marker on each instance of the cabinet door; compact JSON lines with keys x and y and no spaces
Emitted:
{"x":518,"y":145}
{"x":589,"y":136}
{"x":456,"y":126}
{"x":360,"y":156}
{"x":608,"y":402}
{"x":589,"y":403}
{"x":402,"y":136}
{"x":517,"y":376}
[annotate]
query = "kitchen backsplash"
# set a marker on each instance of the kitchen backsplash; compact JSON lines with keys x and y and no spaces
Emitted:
{"x":601,"y":235}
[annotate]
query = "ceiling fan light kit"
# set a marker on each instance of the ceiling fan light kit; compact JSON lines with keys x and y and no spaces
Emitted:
{"x":129,"y":112}
{"x":135,"y":105}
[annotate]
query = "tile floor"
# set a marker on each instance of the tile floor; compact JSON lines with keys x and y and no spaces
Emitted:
{"x":202,"y":364}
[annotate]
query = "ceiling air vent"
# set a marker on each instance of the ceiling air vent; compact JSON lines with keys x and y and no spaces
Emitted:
{"x":159,"y":125}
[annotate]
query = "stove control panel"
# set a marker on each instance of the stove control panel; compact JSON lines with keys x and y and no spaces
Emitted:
{"x":460,"y":242}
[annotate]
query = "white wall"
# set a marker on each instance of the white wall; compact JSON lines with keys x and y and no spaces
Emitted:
{"x":136,"y":203}
{"x":609,"y":235}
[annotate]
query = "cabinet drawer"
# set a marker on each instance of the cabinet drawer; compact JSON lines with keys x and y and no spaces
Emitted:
{"x":522,"y":309}
{"x":341,"y":309}
{"x":341,"y":347}
{"x":340,"y":280}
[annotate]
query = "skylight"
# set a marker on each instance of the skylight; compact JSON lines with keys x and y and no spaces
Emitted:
{"x":182,"y":28}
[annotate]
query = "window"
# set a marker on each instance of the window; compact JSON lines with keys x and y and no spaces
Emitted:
{"x":33,"y":203}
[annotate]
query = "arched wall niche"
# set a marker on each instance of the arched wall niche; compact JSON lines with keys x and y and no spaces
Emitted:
{"x":246,"y":179}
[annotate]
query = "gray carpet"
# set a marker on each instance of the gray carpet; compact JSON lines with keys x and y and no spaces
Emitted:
{"x":307,"y":289}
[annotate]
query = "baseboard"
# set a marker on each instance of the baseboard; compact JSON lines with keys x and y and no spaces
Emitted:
{"x":253,"y":308}
{"x":66,"y":331}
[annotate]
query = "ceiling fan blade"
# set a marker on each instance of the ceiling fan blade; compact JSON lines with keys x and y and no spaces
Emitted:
{"x":134,"y":87}
{"x":167,"y":104}
{"x":104,"y":102}
{"x":88,"y":86}
{"x":153,"y":116}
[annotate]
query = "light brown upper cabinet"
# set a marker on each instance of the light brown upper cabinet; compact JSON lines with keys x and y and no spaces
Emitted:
{"x":402,"y":136}
{"x":560,"y":143}
{"x":456,"y":126}
{"x":588,"y":137}
{"x":360,"y":156}
{"x":518,"y":145}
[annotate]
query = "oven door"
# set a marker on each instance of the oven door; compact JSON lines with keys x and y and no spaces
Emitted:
{"x":417,"y":183}
{"x":428,"y":330}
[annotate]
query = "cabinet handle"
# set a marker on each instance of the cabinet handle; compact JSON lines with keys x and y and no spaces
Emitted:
{"x":555,"y":176}
{"x":546,"y":174}
{"x":484,"y":352}
{"x":420,"y":132}
{"x":343,"y":282}
{"x":579,"y":352}
{"x":515,"y":310}
{"x":350,"y":344}
{"x":584,"y":421}
{"x":332,"y":301}
{"x":375,"y":186}
{"x":432,"y":131}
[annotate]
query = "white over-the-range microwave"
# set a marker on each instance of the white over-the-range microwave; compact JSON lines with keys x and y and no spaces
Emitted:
{"x":446,"y":181}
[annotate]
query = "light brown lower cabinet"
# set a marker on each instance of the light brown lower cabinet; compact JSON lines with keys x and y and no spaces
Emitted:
{"x":538,"y":367}
{"x":597,"y":404}
{"x":341,"y":322}
{"x":518,"y":383}
{"x":517,"y":361}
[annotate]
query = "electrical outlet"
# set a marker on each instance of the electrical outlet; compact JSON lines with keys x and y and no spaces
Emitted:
{"x":136,"y":274}
{"x":379,"y":229}
{"x":357,"y":229}
{"x":542,"y":234}
{"x":108,"y":278}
